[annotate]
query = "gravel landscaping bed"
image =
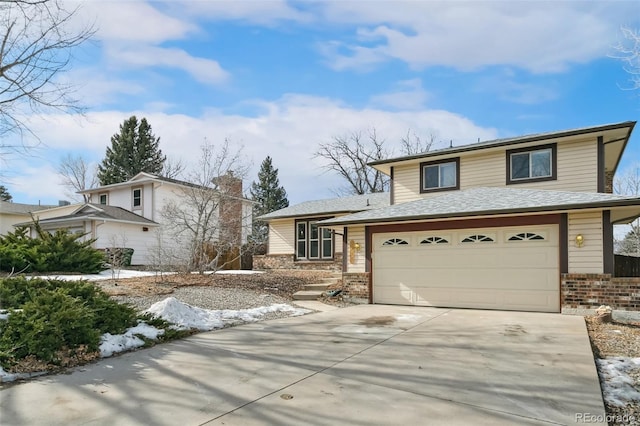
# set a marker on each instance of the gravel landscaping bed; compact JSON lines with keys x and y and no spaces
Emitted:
{"x":617,"y":341}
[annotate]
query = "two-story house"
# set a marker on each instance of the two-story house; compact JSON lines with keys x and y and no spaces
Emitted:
{"x":523,"y":223}
{"x":132,"y":214}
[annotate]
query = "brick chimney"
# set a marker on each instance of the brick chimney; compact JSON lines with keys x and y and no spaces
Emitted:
{"x":230,"y":189}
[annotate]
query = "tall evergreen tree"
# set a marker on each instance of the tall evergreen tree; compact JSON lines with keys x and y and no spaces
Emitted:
{"x":4,"y":194}
{"x":268,"y":195}
{"x":133,"y":150}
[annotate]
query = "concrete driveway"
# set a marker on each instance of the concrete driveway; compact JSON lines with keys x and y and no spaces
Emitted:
{"x":364,"y":365}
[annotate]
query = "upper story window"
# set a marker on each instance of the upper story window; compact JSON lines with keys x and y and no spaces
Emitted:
{"x":103,"y":199}
{"x":531,"y":164}
{"x":137,"y":197}
{"x":440,"y":175}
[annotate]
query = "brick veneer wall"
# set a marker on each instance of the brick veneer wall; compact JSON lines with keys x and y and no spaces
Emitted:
{"x":589,"y":291}
{"x":287,"y":261}
{"x":608,"y":182}
{"x":355,"y":286}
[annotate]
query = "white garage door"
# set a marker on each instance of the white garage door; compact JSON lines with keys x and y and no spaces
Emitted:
{"x":488,"y":268}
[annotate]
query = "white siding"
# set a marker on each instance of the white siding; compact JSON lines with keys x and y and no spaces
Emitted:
{"x":124,"y":235}
{"x":282,"y":238}
{"x":357,"y":235}
{"x":588,"y":258}
{"x":576,"y":171}
{"x":56,"y":211}
{"x":406,"y":183}
{"x":7,"y":220}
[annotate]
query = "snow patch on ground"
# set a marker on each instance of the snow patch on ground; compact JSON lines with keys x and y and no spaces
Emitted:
{"x":239,"y":272}
{"x":114,"y":343}
{"x":185,"y":316}
{"x":618,"y":388}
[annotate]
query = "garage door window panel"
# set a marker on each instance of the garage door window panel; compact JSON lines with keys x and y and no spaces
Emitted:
{"x":440,"y":175}
{"x":527,"y":236}
{"x":395,"y":242}
{"x":434,"y":241}
{"x":478,"y":238}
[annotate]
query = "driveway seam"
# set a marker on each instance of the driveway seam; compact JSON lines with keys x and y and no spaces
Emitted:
{"x":322,"y":370}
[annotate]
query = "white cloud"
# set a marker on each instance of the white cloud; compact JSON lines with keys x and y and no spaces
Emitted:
{"x":407,"y":95}
{"x":471,"y":35}
{"x":203,"y":70}
{"x":133,"y":21}
{"x":288,"y":129}
{"x":255,"y":11}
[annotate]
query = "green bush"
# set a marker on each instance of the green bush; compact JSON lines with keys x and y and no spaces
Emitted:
{"x":57,"y":252}
{"x":54,"y":315}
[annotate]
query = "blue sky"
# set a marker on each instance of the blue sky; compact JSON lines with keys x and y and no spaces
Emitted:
{"x":279,"y":77}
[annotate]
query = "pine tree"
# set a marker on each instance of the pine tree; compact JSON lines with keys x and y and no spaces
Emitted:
{"x":4,"y":194}
{"x":133,"y":150}
{"x":268,"y":195}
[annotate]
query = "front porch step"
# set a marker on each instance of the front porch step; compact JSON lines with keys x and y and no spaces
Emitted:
{"x":318,"y":287}
{"x":307,"y":295}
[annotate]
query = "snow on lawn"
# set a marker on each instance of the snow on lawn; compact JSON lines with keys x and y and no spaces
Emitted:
{"x":114,"y":343}
{"x":618,"y":388}
{"x":185,"y":316}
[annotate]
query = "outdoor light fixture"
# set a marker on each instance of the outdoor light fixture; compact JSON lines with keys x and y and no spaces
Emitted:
{"x":354,"y":246}
{"x":579,"y":240}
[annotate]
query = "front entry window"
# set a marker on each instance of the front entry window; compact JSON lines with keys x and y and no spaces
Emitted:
{"x":313,"y":242}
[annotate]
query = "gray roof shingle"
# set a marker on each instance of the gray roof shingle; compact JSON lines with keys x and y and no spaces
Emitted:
{"x":100,"y":211}
{"x":18,"y":208}
{"x":354,"y":203}
{"x":477,"y":201}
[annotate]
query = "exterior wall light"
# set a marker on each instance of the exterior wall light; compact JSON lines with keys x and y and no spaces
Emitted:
{"x":579,"y":240}
{"x":355,"y":248}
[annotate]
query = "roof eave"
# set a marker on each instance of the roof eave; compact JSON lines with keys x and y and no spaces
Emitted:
{"x":385,"y":165}
{"x":541,"y":209}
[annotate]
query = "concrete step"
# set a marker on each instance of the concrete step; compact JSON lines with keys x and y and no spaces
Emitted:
{"x":318,"y":287}
{"x":307,"y":295}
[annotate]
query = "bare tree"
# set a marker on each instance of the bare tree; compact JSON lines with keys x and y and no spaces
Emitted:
{"x":172,"y":168}
{"x":629,"y":184}
{"x":413,"y":144}
{"x":628,"y":51}
{"x":348,"y":156}
{"x":77,"y":175}
{"x":36,"y":43}
{"x":207,"y":216}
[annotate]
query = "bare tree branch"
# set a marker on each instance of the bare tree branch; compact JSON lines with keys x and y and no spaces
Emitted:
{"x":77,"y":175}
{"x":628,"y":51}
{"x":37,"y":40}
{"x":204,"y":219}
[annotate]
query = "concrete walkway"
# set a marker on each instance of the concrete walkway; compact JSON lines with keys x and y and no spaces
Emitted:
{"x":364,"y":365}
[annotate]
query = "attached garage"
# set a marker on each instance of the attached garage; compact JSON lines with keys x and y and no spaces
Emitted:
{"x":507,"y":268}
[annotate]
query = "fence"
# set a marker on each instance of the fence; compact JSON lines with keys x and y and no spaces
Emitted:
{"x":626,"y":266}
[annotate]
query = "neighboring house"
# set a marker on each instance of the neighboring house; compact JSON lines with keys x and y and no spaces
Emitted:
{"x":12,"y":213}
{"x":523,"y":223}
{"x":129,"y":214}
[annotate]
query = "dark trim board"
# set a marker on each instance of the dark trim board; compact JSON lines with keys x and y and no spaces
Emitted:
{"x":345,"y":248}
{"x":607,"y":242}
{"x":493,"y":222}
{"x":600,"y":165}
{"x":368,"y":244}
{"x":391,"y":192}
{"x":564,"y":243}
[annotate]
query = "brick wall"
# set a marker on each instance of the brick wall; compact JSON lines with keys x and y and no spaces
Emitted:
{"x":589,"y":291}
{"x":355,"y":287}
{"x":286,"y":261}
{"x":608,"y":182}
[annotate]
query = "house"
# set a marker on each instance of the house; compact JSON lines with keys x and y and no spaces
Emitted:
{"x":523,"y":223}
{"x":12,"y":213}
{"x":130,"y":214}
